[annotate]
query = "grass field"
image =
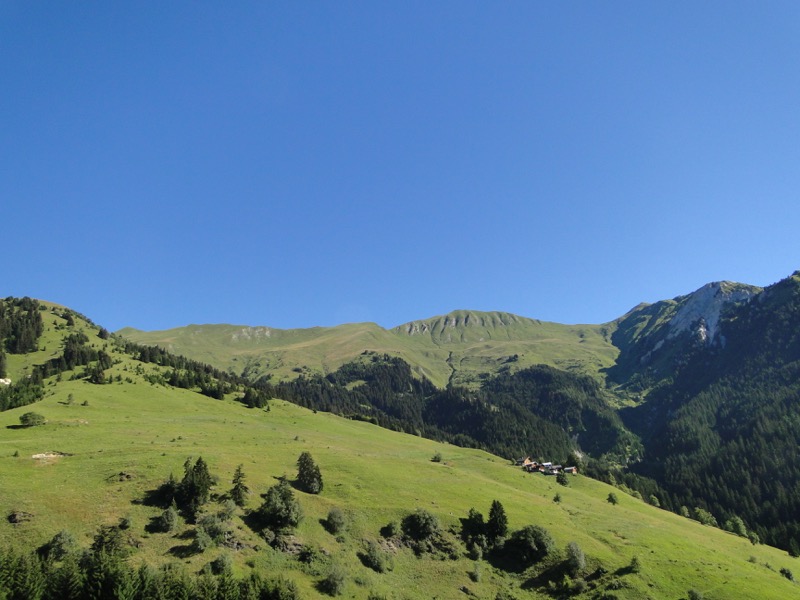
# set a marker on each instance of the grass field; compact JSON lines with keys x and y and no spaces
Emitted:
{"x":130,"y":436}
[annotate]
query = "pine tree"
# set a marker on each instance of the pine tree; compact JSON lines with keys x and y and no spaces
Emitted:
{"x":195,"y":487}
{"x":497,"y":525}
{"x":309,"y":478}
{"x":239,"y":491}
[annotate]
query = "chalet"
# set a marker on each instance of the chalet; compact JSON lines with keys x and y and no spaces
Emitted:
{"x":548,"y":468}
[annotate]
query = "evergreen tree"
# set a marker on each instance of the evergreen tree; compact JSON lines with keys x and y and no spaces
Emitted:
{"x":239,"y":491}
{"x":497,"y":525}
{"x":168,"y":521}
{"x":309,"y":478}
{"x":195,"y":487}
{"x":280,"y":509}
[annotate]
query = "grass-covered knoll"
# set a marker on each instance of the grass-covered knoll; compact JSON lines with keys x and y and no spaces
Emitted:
{"x":117,"y":443}
{"x":456,"y":348}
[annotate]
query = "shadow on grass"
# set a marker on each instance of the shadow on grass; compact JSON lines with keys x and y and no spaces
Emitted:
{"x":551,"y":574}
{"x":184,"y":551}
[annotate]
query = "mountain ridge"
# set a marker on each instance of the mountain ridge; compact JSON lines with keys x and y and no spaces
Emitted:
{"x":461,"y":346}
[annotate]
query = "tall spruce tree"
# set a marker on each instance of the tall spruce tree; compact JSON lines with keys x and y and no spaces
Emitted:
{"x":239,"y":491}
{"x":309,"y":478}
{"x":195,"y":487}
{"x":497,"y":525}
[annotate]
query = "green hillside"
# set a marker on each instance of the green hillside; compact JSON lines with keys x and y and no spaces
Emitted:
{"x":455,"y":348}
{"x":106,"y":448}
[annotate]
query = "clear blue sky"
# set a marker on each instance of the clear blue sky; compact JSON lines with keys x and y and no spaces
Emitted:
{"x":311,"y":163}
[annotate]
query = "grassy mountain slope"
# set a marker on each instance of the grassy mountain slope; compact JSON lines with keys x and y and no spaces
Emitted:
{"x":375,"y":476}
{"x":458,"y":347}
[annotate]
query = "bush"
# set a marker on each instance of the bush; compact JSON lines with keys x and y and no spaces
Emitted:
{"x":695,"y":595}
{"x":635,"y":566}
{"x":32,"y":419}
{"x":576,"y":559}
{"x":375,"y":558}
{"x":530,"y":544}
{"x":62,"y":544}
{"x":336,"y":522}
{"x":222,"y":564}
{"x":788,"y":574}
{"x":612,"y":498}
{"x":475,"y":574}
{"x":705,"y":517}
{"x":169,"y":519}
{"x":390,"y":530}
{"x":420,"y":525}
{"x":334,"y":582}
{"x":437,"y":458}
{"x":562,"y":479}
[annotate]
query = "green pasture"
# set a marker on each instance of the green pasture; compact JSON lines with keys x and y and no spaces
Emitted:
{"x":128,"y":437}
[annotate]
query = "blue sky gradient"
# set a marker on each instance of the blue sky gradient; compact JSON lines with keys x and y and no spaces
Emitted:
{"x":298,"y":164}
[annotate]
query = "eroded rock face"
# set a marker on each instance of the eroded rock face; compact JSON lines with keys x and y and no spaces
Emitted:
{"x":701,"y":312}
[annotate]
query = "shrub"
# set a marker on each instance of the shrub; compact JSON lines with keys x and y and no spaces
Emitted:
{"x":62,"y":544}
{"x":333,"y":584}
{"x":635,"y":566}
{"x":32,"y":419}
{"x":475,"y":574}
{"x":390,"y":530}
{"x":202,"y":540}
{"x":374,"y":558}
{"x":612,"y":498}
{"x":705,"y":517}
{"x":530,"y":544}
{"x":562,"y":479}
{"x":557,"y":498}
{"x":576,"y":559}
{"x":787,"y":573}
{"x":222,"y":564}
{"x":694,"y":595}
{"x":336,"y":522}
{"x":168,"y":520}
{"x":437,"y":458}
{"x":420,"y":525}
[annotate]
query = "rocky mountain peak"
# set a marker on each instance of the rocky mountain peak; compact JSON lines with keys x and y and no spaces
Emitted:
{"x":700,"y":311}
